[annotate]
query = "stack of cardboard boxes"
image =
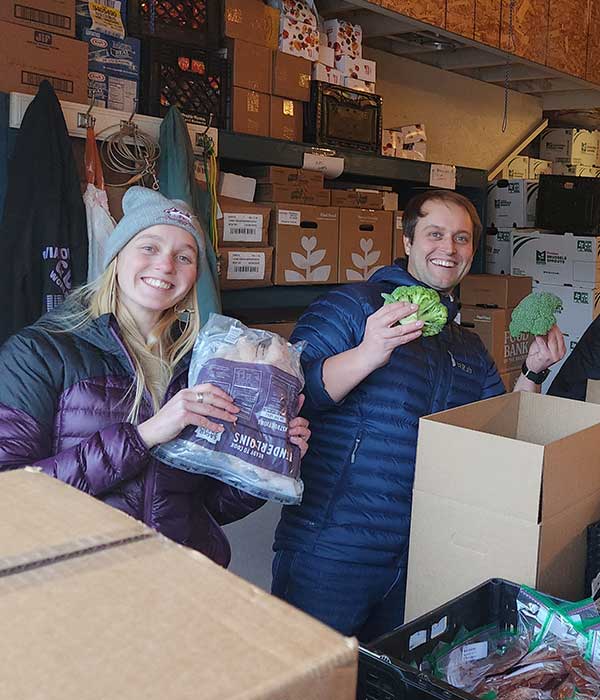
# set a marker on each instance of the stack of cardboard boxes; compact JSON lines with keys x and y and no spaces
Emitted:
{"x":573,"y":152}
{"x":268,"y":85}
{"x":524,"y":167}
{"x":487,"y":305}
{"x":408,"y":141}
{"x":340,"y":60}
{"x":38,"y":44}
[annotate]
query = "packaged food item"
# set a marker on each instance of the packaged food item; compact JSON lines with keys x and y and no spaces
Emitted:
{"x":262,"y":373}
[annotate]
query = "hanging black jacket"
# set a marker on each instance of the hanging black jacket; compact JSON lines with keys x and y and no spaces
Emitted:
{"x":582,"y":364}
{"x":43,"y":236}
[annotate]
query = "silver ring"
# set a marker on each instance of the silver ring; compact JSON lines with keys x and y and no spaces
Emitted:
{"x":199,"y":397}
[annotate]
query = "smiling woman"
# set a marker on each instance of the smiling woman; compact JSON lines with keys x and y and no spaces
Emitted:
{"x":92,"y":386}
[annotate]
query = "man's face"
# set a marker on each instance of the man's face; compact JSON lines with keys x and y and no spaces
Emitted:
{"x":441,"y":252}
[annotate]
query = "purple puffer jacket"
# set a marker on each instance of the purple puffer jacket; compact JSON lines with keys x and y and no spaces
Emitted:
{"x":63,"y":407}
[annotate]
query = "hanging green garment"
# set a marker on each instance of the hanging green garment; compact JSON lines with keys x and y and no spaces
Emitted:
{"x":177,"y":181}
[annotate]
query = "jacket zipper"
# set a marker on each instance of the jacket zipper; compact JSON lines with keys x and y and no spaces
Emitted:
{"x":354,"y":450}
{"x":452,"y":359}
{"x":151,"y":473}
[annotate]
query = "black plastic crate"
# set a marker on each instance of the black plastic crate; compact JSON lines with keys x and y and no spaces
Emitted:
{"x":195,"y":80}
{"x":569,"y":204}
{"x":194,"y":22}
{"x":384,"y":667}
{"x":592,"y":564}
{"x":344,"y":118}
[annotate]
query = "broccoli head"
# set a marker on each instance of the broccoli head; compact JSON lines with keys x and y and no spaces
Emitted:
{"x":535,"y":314}
{"x":431,"y":310}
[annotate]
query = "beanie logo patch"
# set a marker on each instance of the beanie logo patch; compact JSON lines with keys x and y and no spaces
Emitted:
{"x":179,"y":215}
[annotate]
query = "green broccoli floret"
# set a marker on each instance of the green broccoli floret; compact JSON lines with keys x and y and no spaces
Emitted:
{"x":535,"y":314}
{"x":431,"y":310}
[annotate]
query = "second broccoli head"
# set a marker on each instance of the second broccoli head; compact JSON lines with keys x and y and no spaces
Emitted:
{"x":535,"y":314}
{"x":431,"y":310}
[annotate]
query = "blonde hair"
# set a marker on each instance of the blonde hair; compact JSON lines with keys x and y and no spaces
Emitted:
{"x":154,"y":360}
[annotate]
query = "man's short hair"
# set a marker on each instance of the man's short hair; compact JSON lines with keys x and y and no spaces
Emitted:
{"x":414,"y":211}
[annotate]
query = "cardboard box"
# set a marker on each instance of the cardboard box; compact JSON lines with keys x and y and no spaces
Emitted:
{"x":113,"y":70}
{"x":580,"y":307}
{"x":298,"y":10}
{"x":509,"y":379}
{"x":573,"y":146}
{"x":388,"y":146}
{"x":512,"y":203}
{"x":28,"y":56}
{"x":517,"y":167}
{"x":575,"y":170}
{"x":237,"y":186}
{"x":241,"y":267}
{"x":250,"y":65}
{"x":344,"y":38}
{"x":497,"y":251}
{"x":250,"y":112}
{"x":365,"y":243}
{"x":359,"y":68}
{"x":390,"y":201}
{"x":306,"y":244}
{"x":243,"y":223}
{"x":291,"y":76}
{"x":286,"y":119}
{"x":294,"y":193}
{"x":298,"y":39}
{"x":538,"y":167}
{"x":279,"y":175}
{"x":56,"y":16}
{"x":513,"y":482}
{"x":252,"y":20}
{"x":326,"y":54}
{"x":499,"y":291}
{"x":556,"y":258}
{"x":362,"y":85}
{"x":357,"y":198}
{"x":491,"y":325}
{"x":326,"y":74}
{"x":398,"y":250}
{"x":219,"y":636}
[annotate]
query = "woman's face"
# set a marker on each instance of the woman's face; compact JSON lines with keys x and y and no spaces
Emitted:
{"x":155,"y":270}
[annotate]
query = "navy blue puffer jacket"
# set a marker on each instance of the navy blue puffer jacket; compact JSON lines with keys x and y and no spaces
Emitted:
{"x":358,"y":473}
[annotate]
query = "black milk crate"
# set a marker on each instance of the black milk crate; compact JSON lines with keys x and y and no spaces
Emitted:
{"x":194,"y":22}
{"x":387,"y":667}
{"x":569,"y":204}
{"x":343,"y":118}
{"x":195,"y":80}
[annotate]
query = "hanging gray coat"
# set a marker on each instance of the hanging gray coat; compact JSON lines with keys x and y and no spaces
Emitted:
{"x":43,"y":235}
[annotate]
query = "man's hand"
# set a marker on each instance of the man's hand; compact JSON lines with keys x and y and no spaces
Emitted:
{"x":382,"y":336}
{"x":546,"y":350}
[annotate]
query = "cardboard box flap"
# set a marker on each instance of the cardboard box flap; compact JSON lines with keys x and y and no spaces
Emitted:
{"x":173,"y":625}
{"x":546,"y":419}
{"x":446,"y":468}
{"x":42,"y":518}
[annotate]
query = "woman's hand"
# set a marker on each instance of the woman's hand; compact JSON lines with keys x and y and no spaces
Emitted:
{"x":298,"y":431}
{"x":194,"y":406}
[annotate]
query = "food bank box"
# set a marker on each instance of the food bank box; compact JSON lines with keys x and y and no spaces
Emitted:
{"x":503,"y":488}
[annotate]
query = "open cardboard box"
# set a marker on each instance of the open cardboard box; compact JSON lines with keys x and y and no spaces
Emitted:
{"x":96,"y":605}
{"x":503,"y":488}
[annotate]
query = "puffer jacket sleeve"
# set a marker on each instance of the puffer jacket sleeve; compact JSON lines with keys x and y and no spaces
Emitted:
{"x":331,"y":325}
{"x":227,"y":504}
{"x":29,"y":402}
{"x":582,"y":364}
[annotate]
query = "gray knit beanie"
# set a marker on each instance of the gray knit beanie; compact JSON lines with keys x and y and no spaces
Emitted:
{"x":142,"y":208}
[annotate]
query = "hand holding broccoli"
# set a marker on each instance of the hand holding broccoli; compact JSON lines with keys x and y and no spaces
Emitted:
{"x":430,"y":308}
{"x":383,"y":334}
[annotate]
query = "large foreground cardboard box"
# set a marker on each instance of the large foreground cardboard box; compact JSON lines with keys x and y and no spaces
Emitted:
{"x":145,"y":618}
{"x":504,"y":487}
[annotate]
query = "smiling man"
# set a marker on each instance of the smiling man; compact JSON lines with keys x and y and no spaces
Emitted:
{"x":341,"y":555}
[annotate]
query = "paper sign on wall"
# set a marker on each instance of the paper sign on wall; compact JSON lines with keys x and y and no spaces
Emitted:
{"x":443,"y":176}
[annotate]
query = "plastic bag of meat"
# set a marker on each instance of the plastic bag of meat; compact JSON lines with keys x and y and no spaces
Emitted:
{"x":486,"y":651}
{"x":262,"y":373}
